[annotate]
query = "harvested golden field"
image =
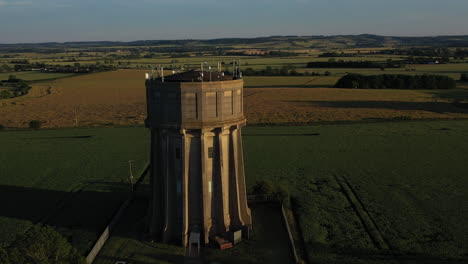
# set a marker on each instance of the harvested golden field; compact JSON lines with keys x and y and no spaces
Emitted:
{"x":97,"y":99}
{"x":118,"y":98}
{"x":300,"y":105}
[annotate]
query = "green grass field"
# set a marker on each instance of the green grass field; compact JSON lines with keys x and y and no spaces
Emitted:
{"x":371,"y":193}
{"x":72,"y":179}
{"x":35,"y":76}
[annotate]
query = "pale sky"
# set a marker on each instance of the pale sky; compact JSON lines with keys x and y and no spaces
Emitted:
{"x":127,"y":20}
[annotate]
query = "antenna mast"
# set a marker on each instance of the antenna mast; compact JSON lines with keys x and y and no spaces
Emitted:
{"x":162,"y":73}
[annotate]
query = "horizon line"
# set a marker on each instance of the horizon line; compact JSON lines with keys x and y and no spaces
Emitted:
{"x":205,"y":39}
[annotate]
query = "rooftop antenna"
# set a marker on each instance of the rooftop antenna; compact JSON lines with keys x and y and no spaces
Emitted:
{"x":209,"y":67}
{"x":201,"y":72}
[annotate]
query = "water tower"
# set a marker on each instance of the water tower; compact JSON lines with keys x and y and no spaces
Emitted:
{"x":197,"y":167}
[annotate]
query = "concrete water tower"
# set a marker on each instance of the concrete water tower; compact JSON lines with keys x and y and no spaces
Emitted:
{"x":197,"y":167}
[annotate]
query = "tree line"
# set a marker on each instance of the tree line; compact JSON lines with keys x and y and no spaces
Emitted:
{"x":354,"y":64}
{"x":443,"y":53}
{"x":283,"y":71}
{"x":395,"y":81}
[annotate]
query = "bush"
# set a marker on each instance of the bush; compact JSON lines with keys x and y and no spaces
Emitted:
{"x":43,"y":245}
{"x":1,"y":128}
{"x":262,"y":187}
{"x":281,"y":194}
{"x":35,"y":124}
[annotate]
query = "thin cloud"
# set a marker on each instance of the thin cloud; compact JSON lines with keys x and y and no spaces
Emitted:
{"x":15,"y":3}
{"x":24,"y":3}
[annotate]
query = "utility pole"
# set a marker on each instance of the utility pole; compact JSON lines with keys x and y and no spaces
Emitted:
{"x":130,"y":177}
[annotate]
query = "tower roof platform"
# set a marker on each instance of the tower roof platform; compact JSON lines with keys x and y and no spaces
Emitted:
{"x":196,"y":76}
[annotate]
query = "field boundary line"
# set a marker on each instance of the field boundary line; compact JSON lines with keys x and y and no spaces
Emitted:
{"x":290,"y":236}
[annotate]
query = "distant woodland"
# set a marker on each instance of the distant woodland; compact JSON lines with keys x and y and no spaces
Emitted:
{"x":396,"y":81}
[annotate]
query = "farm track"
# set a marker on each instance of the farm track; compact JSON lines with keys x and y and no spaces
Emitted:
{"x":366,"y":219}
{"x":368,"y":222}
{"x":311,"y":80}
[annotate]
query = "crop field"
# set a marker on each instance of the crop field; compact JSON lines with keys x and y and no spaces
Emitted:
{"x":364,"y":193}
{"x":118,"y":98}
{"x":71,"y":179}
{"x":299,"y":105}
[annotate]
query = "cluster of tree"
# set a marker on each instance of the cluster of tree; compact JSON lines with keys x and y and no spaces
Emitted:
{"x":268,"y":71}
{"x":280,"y":53}
{"x":29,"y":66}
{"x":354,"y":64}
{"x":427,"y":60}
{"x":78,"y":68}
{"x":341,"y":54}
{"x":75,"y":68}
{"x":396,"y":81}
{"x":238,"y":53}
{"x":283,"y":71}
{"x":14,"y":87}
{"x":41,"y":244}
{"x":464,"y":77}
